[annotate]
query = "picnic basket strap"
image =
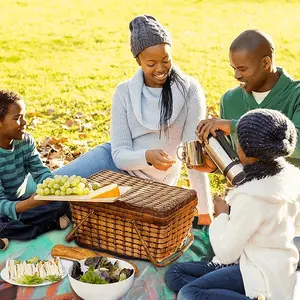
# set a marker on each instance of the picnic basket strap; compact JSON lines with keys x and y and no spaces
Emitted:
{"x":169,"y":259}
{"x":70,"y":236}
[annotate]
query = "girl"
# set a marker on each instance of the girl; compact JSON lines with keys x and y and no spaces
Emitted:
{"x":254,"y":243}
{"x":152,"y":114}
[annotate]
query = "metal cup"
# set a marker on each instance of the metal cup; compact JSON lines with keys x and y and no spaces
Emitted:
{"x":193,"y":153}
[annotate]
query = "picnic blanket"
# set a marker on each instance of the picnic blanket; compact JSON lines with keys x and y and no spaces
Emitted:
{"x":148,"y":285}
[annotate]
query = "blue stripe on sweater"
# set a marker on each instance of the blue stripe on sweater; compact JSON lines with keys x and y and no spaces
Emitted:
{"x":15,"y":164}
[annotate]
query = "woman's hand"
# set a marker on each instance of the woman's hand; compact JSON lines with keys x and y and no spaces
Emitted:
{"x":220,"y":206}
{"x":159,"y":159}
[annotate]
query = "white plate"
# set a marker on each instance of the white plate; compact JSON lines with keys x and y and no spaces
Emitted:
{"x":4,"y":276}
{"x":86,"y":198}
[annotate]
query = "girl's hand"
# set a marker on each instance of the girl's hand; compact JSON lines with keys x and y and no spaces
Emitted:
{"x":220,"y":206}
{"x":159,"y":159}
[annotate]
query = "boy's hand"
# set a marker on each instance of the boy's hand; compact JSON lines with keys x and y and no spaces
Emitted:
{"x":159,"y":159}
{"x":205,"y":127}
{"x":29,"y":204}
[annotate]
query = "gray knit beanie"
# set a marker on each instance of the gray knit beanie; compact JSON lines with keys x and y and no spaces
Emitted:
{"x":266,"y":134}
{"x":146,"y":32}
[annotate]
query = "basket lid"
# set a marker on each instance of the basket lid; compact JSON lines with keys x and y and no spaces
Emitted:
{"x":146,"y":196}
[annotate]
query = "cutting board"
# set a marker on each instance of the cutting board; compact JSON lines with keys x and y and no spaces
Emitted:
{"x":84,"y":198}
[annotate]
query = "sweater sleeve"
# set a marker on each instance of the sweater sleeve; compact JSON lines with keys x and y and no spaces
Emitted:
{"x":123,"y":154}
{"x":36,"y":167}
{"x":296,"y":121}
{"x":230,"y":233}
{"x":223,"y":116}
{"x":7,"y":207}
{"x":196,"y":111}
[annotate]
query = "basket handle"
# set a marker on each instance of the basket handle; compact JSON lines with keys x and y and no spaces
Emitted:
{"x":70,"y":236}
{"x":169,"y":259}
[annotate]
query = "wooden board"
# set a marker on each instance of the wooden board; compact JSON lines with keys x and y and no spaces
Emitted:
{"x":85,"y":198}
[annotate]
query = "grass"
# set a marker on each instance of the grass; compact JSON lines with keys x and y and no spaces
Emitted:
{"x":68,"y":55}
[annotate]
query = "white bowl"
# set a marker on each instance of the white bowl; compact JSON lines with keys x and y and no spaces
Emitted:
{"x":110,"y":291}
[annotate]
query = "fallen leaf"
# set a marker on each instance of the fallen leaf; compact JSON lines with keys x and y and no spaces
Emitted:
{"x":77,"y":121}
{"x":78,"y":115}
{"x":88,"y":126}
{"x":69,"y":123}
{"x":79,"y":143}
{"x":33,"y":123}
{"x":55,"y":163}
{"x":50,"y":111}
{"x":83,"y":135}
{"x":33,"y":114}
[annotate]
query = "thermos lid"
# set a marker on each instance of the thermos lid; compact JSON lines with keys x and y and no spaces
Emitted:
{"x":239,"y":178}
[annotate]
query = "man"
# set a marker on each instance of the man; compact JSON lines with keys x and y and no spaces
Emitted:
{"x":262,"y":85}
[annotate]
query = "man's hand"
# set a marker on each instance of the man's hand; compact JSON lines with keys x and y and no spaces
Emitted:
{"x":220,"y":206}
{"x":159,"y":159}
{"x":29,"y":204}
{"x":205,"y":127}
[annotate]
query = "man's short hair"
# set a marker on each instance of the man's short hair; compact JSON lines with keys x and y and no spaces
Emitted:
{"x":252,"y":40}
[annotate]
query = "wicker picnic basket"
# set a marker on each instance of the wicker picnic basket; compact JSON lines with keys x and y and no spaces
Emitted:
{"x":151,"y":221}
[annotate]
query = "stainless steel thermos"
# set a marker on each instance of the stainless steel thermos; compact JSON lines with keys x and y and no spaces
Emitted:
{"x":226,"y":159}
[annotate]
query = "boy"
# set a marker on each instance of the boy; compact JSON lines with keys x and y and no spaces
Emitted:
{"x":22,"y":217}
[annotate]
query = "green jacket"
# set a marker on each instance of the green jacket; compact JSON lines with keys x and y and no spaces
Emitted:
{"x":284,"y":96}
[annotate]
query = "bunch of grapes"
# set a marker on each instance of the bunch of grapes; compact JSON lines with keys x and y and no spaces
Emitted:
{"x":63,"y":186}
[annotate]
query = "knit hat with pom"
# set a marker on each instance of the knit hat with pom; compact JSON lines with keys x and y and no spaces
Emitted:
{"x":266,"y":134}
{"x":146,"y":31}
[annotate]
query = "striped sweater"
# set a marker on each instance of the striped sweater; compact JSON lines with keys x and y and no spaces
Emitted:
{"x":15,"y":165}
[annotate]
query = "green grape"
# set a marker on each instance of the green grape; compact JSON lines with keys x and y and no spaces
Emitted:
{"x":67,"y":185}
{"x":84,"y":181}
{"x":57,"y":178}
{"x":50,"y":184}
{"x":81,"y":185}
{"x":47,"y":180}
{"x":74,"y":183}
{"x":80,"y":192}
{"x":95,"y":186}
{"x":56,"y":186}
{"x":40,"y":186}
{"x":72,"y":177}
{"x":64,"y":185}
{"x":69,"y":191}
{"x":65,"y":178}
{"x":40,"y":191}
{"x":57,"y":193}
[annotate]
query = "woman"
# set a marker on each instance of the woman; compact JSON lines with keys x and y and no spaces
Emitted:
{"x":152,"y":114}
{"x":253,"y":240}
